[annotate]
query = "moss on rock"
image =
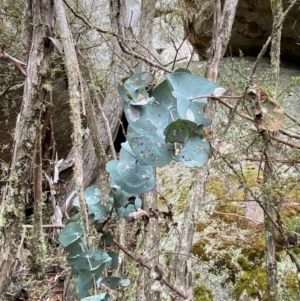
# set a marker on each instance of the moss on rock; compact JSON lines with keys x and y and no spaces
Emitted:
{"x":202,"y":293}
{"x":253,"y":282}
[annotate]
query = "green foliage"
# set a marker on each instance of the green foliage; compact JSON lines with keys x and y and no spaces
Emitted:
{"x":253,"y":282}
{"x":202,"y":293}
{"x":89,"y":264}
{"x":164,"y":124}
{"x":160,"y":121}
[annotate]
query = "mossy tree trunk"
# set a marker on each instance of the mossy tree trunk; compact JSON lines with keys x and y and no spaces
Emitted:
{"x":150,"y":199}
{"x":269,"y":202}
{"x":24,"y":181}
{"x":223,"y":20}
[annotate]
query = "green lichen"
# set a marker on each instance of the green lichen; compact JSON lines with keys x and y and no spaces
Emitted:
{"x":216,"y":187}
{"x":170,"y":183}
{"x":202,"y":293}
{"x":289,"y":286}
{"x":253,"y":282}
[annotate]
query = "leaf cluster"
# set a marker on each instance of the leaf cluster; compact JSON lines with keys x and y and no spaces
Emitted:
{"x":165,"y":123}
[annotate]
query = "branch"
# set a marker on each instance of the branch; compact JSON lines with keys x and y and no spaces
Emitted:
{"x":120,"y":40}
{"x":17,"y":62}
{"x":55,"y":226}
{"x":163,"y":280}
{"x":273,"y":160}
{"x":284,"y":132}
{"x":105,"y":120}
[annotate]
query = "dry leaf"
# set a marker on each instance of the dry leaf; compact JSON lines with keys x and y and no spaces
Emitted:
{"x":138,"y":214}
{"x":268,"y":114}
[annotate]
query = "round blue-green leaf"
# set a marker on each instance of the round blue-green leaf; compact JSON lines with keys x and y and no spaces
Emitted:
{"x":98,"y":211}
{"x":138,"y":119}
{"x":194,"y":153}
{"x":93,"y":261}
{"x":119,"y":196}
{"x":181,"y":130}
{"x":84,"y":283}
{"x":186,"y":87}
{"x":164,"y":109}
{"x":138,"y":81}
{"x":133,"y":174}
{"x":112,"y":282}
{"x":111,"y":167}
{"x":142,"y":189}
{"x":70,"y":233}
{"x":183,"y":70}
{"x":129,"y":208}
{"x":137,"y":87}
{"x":138,"y":203}
{"x":76,"y":218}
{"x":92,"y":195}
{"x":124,"y":281}
{"x":99,"y":297}
{"x":114,"y":259}
{"x":107,"y":238}
{"x":122,"y":93}
{"x":126,"y":153}
{"x":76,"y":248}
{"x":149,"y":148}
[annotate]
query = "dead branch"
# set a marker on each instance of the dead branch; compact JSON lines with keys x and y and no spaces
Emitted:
{"x":17,"y":62}
{"x":273,"y":160}
{"x":126,"y":49}
{"x":163,"y":280}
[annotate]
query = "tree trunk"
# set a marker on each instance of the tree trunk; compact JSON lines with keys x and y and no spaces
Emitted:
{"x":26,"y":150}
{"x":76,"y":96}
{"x":150,"y":199}
{"x":268,"y":201}
{"x":275,"y":45}
{"x":223,"y":20}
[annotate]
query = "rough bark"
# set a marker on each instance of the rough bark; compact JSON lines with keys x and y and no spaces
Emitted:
{"x":150,"y":199}
{"x":269,"y":227}
{"x":75,"y":99}
{"x":19,"y":187}
{"x":223,"y":20}
{"x":275,"y":45}
{"x":268,"y":201}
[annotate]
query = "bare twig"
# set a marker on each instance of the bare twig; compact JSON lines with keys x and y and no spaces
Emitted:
{"x":163,"y":280}
{"x":121,"y":42}
{"x":17,"y":62}
{"x":54,"y":226}
{"x":273,"y":160}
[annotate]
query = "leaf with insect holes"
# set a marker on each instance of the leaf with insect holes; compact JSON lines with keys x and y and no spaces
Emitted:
{"x":135,"y":89}
{"x":181,"y":130}
{"x":163,"y":110}
{"x":149,"y":149}
{"x":193,"y":153}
